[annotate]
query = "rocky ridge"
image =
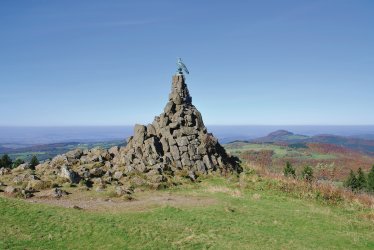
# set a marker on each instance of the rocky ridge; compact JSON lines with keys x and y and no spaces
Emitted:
{"x":176,"y":143}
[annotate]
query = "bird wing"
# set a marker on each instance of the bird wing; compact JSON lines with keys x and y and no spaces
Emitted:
{"x":185,"y":68}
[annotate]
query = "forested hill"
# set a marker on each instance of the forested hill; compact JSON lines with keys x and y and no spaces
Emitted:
{"x":286,"y":137}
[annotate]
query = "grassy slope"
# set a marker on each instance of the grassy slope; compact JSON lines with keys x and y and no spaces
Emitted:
{"x":279,"y":151}
{"x":328,"y":161}
{"x":253,"y":217}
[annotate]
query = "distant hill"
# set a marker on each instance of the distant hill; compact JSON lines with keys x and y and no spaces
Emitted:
{"x":282,"y":135}
{"x":286,"y":137}
{"x":362,"y":145}
{"x":4,"y":150}
{"x":38,"y":148}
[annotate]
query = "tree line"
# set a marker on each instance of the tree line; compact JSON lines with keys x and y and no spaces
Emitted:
{"x":6,"y":162}
{"x":355,"y":182}
{"x":360,"y":181}
{"x":306,"y":174}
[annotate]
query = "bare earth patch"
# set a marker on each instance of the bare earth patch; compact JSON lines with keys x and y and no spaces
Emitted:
{"x":220,"y":189}
{"x":88,"y":200}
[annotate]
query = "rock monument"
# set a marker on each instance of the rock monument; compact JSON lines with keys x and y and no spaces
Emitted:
{"x":175,"y":144}
{"x":176,"y":140}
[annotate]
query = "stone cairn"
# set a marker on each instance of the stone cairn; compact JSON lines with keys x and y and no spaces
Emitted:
{"x":177,"y":140}
{"x":176,"y":144}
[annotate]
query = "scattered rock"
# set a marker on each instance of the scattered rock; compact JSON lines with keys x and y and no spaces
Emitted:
{"x":5,"y":171}
{"x":74,"y":154}
{"x":122,"y":190}
{"x":97,"y":172}
{"x":118,"y":175}
{"x":20,"y":178}
{"x":176,"y":141}
{"x":72,"y":176}
{"x":21,"y":167}
{"x":192,"y":176}
{"x":58,"y":193}
{"x":11,"y":190}
{"x":113,"y":150}
{"x":35,"y":184}
{"x":26,"y":194}
{"x":59,"y":161}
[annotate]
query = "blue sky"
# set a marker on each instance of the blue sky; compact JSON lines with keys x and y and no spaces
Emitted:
{"x":251,"y":62}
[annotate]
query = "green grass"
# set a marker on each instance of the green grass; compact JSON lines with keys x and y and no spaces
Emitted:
{"x":26,"y":155}
{"x":279,"y":151}
{"x":257,"y":218}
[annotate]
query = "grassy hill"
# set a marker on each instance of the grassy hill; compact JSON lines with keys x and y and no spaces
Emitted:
{"x":365,"y":145}
{"x":327,"y":160}
{"x":218,"y":213}
{"x":282,"y":135}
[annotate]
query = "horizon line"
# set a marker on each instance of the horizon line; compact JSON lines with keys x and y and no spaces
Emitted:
{"x":231,"y":125}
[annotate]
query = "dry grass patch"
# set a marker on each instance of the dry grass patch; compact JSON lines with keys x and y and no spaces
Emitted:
{"x":222,"y":189}
{"x":100,"y":202}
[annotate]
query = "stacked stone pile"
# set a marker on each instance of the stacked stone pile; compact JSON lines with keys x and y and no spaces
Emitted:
{"x":177,"y":139}
{"x":177,"y":142}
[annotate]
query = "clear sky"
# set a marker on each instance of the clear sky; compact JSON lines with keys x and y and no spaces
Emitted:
{"x":251,"y":62}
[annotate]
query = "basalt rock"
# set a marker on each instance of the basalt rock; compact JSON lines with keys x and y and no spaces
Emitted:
{"x":177,"y":140}
{"x":72,"y":176}
{"x":176,"y":143}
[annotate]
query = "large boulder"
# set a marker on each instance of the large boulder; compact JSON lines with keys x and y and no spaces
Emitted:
{"x":21,"y":167}
{"x":38,"y":184}
{"x":70,"y":175}
{"x":11,"y":190}
{"x":5,"y":171}
{"x":74,"y":154}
